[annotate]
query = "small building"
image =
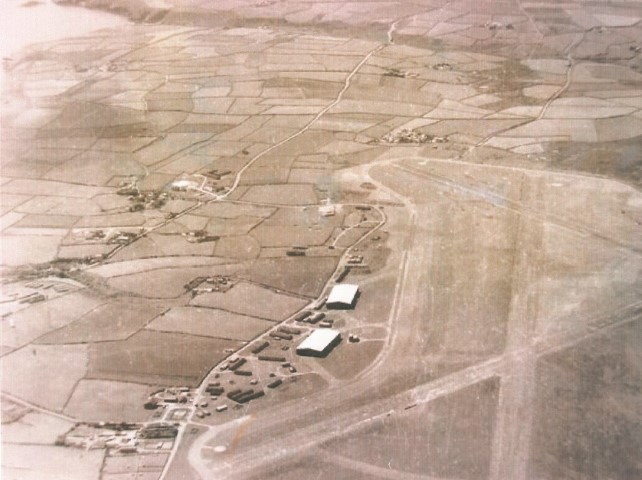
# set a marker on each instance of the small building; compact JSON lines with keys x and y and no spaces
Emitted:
{"x":327,"y":210}
{"x":319,"y":343}
{"x":343,"y":296}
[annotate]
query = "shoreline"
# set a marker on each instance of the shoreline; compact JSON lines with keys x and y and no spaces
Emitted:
{"x":138,"y":11}
{"x":48,"y":22}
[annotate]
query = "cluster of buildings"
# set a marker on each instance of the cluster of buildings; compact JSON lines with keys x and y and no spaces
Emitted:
{"x":169,"y":396}
{"x":216,"y":283}
{"x":321,"y":341}
{"x":244,"y":378}
{"x":121,"y":438}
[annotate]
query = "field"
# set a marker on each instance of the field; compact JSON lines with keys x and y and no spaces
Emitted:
{"x":28,"y":462}
{"x":24,"y":373}
{"x":585,"y":423}
{"x":99,"y":401}
{"x":210,"y":323}
{"x":28,"y":249}
{"x":145,"y":467}
{"x":116,"y":269}
{"x":12,"y":411}
{"x":304,"y":276}
{"x":288,"y":194}
{"x":40,"y":319}
{"x":252,"y":300}
{"x":36,"y":428}
{"x":348,"y":360}
{"x":242,"y":247}
{"x":455,"y":433}
{"x":374,"y":303}
{"x":109,"y":322}
{"x":165,"y":283}
{"x":149,"y":357}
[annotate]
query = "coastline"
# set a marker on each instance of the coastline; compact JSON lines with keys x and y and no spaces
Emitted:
{"x":48,"y":21}
{"x":139,"y":11}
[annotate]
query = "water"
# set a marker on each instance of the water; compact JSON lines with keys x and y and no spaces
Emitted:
{"x":46,"y":21}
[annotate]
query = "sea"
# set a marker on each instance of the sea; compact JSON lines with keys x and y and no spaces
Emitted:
{"x":25,"y":22}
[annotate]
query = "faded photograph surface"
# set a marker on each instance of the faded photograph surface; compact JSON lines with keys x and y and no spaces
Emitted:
{"x":308,"y":239}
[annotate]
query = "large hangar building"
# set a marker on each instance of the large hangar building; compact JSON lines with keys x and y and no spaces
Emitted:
{"x":343,"y":296}
{"x":319,"y":343}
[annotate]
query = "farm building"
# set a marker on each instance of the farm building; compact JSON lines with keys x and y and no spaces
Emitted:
{"x":319,"y":343}
{"x":343,"y":296}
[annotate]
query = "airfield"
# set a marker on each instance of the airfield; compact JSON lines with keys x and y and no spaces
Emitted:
{"x":175,"y":193}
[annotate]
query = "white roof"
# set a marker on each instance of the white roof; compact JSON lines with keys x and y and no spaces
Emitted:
{"x":182,"y":183}
{"x":327,"y":210}
{"x":319,"y":340}
{"x":343,"y":293}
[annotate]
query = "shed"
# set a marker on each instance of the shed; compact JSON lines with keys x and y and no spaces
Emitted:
{"x":319,"y":343}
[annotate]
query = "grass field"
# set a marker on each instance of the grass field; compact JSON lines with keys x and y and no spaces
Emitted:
{"x":112,"y":321}
{"x":41,"y":318}
{"x":587,"y":422}
{"x":210,"y":323}
{"x":455,"y":434}
{"x":35,"y":427}
{"x":28,"y":462}
{"x":348,"y":359}
{"x":375,"y":301}
{"x":233,"y":210}
{"x":299,"y":275}
{"x":26,"y":373}
{"x":157,"y":358}
{"x":253,"y":300}
{"x":28,"y":249}
{"x":100,"y":401}
{"x":240,"y":247}
{"x":287,"y":194}
{"x":165,"y":282}
{"x":129,"y":464}
{"x":116,"y":269}
{"x":286,"y":236}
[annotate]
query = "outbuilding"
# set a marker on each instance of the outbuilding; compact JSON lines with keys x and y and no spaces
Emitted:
{"x":343,"y":296}
{"x":319,"y":343}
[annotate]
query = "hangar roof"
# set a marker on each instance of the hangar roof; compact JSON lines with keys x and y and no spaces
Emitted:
{"x":343,"y":293}
{"x":319,"y":340}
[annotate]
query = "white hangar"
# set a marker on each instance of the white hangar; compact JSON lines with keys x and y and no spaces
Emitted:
{"x":343,"y":296}
{"x":319,"y":343}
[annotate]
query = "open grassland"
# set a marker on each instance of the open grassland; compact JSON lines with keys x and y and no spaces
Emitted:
{"x":99,"y":401}
{"x":586,"y":421}
{"x":349,"y":359}
{"x":109,"y":322}
{"x":455,"y":432}
{"x":252,"y":300}
{"x":32,"y":323}
{"x":26,"y":373}
{"x":156,"y":358}
{"x":28,"y":462}
{"x":36,"y":428}
{"x":304,"y":276}
{"x":210,"y":322}
{"x":165,"y":282}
